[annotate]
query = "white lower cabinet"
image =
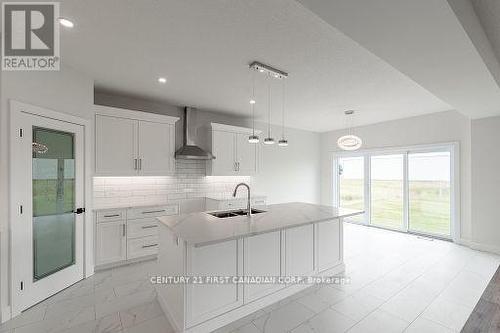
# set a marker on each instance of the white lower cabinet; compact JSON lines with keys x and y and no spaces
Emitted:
{"x":142,"y":227}
{"x":206,"y":301}
{"x":141,"y":247}
{"x":262,"y":257}
{"x":328,"y":247}
{"x":111,"y":242}
{"x":299,"y":251}
{"x":125,"y":234}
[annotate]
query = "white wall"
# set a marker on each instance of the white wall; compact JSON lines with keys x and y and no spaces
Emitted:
{"x":486,"y":183}
{"x":64,"y":91}
{"x":441,"y":127}
{"x":288,"y":174}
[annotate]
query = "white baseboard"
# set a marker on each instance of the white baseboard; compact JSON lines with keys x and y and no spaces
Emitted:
{"x":6,"y":314}
{"x":103,"y":267}
{"x":479,"y":246}
{"x":483,"y":247}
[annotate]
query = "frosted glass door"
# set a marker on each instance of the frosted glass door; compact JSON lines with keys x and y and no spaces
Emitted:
{"x":48,"y":205}
{"x":53,"y":172}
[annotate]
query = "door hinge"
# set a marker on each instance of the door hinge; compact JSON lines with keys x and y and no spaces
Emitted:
{"x":22,"y":285}
{"x":21,"y":133}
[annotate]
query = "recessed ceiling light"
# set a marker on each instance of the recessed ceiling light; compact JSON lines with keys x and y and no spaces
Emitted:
{"x":65,"y":22}
{"x":162,"y":80}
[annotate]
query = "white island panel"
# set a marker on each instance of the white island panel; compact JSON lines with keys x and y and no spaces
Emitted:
{"x":262,"y":257}
{"x":206,"y":301}
{"x":299,"y":251}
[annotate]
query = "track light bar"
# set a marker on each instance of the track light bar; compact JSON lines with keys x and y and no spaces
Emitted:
{"x":272,"y":72}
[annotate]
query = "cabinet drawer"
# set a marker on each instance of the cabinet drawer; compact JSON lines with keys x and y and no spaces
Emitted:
{"x":140,"y":247}
{"x":111,"y":215}
{"x":142,"y":227}
{"x":154,"y":211}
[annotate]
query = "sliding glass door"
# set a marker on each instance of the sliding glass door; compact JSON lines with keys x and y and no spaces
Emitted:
{"x":387,"y":191}
{"x":429,"y":193}
{"x":352,"y":185}
{"x":406,"y":189}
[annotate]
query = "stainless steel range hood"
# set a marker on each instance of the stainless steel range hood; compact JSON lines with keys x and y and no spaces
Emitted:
{"x":189,"y":150}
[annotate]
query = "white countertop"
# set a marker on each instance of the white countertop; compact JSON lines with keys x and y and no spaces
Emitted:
{"x":199,"y":229}
{"x":126,"y":206}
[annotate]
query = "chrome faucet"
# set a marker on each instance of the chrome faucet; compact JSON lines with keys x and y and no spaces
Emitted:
{"x":249,"y":207}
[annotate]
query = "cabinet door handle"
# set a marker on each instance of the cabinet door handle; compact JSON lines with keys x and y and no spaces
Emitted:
{"x":238,"y":166}
{"x":149,"y":226}
{"x":123,"y":230}
{"x":140,"y":164}
{"x":135,"y":163}
{"x":154,"y":211}
{"x":150,"y":245}
{"x":112,"y":215}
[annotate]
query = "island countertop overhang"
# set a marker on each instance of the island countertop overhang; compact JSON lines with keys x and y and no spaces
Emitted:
{"x":200,"y":229}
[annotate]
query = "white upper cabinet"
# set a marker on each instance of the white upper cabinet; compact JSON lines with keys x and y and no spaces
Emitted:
{"x":130,"y":143}
{"x":234,"y":155}
{"x":115,"y":145}
{"x":224,"y":150}
{"x":246,"y":157}
{"x":156,"y":148}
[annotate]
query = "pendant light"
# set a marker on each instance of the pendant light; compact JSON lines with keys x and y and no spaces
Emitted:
{"x":350,"y":141}
{"x":283,"y":142}
{"x":269,"y":140}
{"x":271,"y":73}
{"x":253,"y":138}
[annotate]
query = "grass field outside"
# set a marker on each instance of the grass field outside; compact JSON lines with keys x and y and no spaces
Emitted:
{"x":429,"y":209}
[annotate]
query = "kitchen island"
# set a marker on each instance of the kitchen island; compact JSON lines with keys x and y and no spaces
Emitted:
{"x":278,"y":246}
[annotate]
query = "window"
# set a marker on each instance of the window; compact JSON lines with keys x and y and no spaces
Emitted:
{"x":404,"y":189}
{"x":351,"y":182}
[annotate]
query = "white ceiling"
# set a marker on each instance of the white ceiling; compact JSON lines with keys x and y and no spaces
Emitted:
{"x":488,"y":12}
{"x":425,"y":40}
{"x":204,"y":47}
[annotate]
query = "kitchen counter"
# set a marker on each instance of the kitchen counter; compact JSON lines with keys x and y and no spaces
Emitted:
{"x":99,"y":208}
{"x":199,"y":229}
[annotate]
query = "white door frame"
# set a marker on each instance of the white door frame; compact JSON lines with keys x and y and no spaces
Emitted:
{"x":452,"y":147}
{"x":17,"y":109}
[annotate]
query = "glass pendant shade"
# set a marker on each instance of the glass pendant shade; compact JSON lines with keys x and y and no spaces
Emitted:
{"x":269,"y":141}
{"x":253,"y":139}
{"x":283,"y":142}
{"x":349,"y":142}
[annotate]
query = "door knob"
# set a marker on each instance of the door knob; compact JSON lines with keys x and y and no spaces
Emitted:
{"x":79,"y":211}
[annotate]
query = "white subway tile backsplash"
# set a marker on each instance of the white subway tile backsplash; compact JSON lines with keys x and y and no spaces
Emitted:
{"x":188,"y":182}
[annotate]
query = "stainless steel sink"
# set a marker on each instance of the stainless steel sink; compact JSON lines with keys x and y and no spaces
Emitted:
{"x":234,"y":213}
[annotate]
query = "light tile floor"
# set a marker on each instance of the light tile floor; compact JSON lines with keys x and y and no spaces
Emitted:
{"x":398,"y":283}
